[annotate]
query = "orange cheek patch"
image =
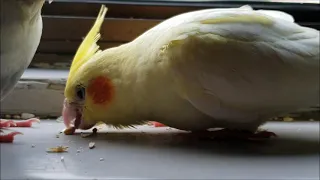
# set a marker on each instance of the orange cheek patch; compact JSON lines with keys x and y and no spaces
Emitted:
{"x":101,"y":90}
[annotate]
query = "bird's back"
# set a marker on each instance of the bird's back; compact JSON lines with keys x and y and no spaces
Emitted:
{"x":233,"y":67}
{"x":239,"y":65}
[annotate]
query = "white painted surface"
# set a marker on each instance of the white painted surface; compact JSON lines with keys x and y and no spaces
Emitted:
{"x":39,"y":92}
{"x":43,"y":74}
{"x":159,"y":153}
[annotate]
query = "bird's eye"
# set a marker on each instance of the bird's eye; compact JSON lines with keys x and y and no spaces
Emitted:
{"x":80,"y":92}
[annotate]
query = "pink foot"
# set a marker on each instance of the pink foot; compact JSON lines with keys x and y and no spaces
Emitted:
{"x":7,"y":123}
{"x":227,"y":134}
{"x":157,"y":124}
{"x":8,"y":138}
{"x":20,"y":123}
{"x":26,"y":123}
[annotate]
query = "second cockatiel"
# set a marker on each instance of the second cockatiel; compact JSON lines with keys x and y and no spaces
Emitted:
{"x":230,"y":68}
{"x":21,"y":30}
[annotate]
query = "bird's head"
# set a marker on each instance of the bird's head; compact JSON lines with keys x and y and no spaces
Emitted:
{"x":88,"y":87}
{"x":88,"y":92}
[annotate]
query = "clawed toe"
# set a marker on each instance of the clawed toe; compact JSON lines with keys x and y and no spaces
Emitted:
{"x":7,"y":123}
{"x":8,"y":138}
{"x":20,"y":123}
{"x":27,"y":123}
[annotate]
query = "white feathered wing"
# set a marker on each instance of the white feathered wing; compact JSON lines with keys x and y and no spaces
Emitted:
{"x":241,"y":65}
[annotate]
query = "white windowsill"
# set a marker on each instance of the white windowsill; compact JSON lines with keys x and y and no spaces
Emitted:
{"x":40,"y":92}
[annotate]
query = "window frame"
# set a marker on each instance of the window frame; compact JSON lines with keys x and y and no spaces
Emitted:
{"x":66,"y":22}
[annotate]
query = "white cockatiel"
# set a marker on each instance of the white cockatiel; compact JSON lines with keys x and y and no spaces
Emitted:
{"x":21,"y":29}
{"x":230,"y":68}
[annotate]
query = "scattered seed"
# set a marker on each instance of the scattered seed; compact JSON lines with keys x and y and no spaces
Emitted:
{"x":62,"y":158}
{"x":91,"y":145}
{"x":83,"y":135}
{"x":78,"y":151}
{"x":58,"y":149}
{"x":57,"y":136}
{"x":101,"y":159}
{"x":94,"y":132}
{"x":69,"y":131}
{"x":33,"y":145}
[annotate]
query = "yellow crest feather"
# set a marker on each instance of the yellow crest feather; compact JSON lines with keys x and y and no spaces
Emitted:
{"x":89,"y":46}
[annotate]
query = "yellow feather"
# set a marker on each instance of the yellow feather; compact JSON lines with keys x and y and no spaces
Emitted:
{"x":89,"y":46}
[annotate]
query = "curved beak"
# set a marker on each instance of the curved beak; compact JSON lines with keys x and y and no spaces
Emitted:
{"x":72,"y":116}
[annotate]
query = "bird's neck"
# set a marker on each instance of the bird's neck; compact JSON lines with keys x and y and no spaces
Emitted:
{"x":144,"y":78}
{"x":20,"y":10}
{"x":128,"y":71}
